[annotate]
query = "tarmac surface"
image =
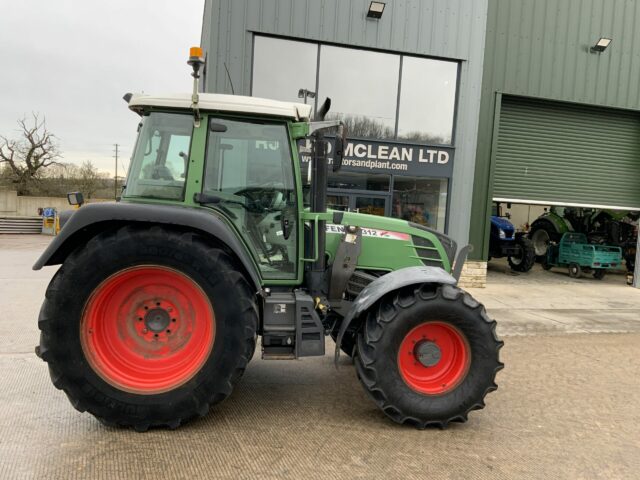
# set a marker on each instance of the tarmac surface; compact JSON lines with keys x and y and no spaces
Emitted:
{"x":566,"y":406}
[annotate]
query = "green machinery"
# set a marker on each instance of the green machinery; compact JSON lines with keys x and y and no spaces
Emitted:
{"x":161,"y":297}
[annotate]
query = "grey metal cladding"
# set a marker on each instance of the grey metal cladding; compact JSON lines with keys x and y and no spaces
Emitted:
{"x":453,"y":29}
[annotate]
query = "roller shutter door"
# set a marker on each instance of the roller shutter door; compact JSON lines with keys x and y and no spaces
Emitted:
{"x":564,"y":154}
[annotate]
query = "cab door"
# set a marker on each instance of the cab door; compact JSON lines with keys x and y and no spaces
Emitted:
{"x":249,"y":168}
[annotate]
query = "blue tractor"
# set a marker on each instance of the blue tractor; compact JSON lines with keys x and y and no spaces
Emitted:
{"x":506,"y":242}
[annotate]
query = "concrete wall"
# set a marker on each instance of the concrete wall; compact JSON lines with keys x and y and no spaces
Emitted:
{"x":541,"y":48}
{"x":441,"y":28}
{"x":12,"y":205}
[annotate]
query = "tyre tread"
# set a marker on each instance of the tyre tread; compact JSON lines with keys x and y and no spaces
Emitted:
{"x":60,"y":373}
{"x":365,"y":360}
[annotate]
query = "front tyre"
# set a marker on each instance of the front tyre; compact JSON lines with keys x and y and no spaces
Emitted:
{"x":428,"y":355}
{"x":147,"y":328}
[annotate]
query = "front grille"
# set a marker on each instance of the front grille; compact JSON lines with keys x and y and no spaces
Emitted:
{"x":426,"y":251}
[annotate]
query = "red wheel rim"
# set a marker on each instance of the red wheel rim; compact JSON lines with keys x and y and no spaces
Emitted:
{"x":434,"y":358}
{"x":147,"y":329}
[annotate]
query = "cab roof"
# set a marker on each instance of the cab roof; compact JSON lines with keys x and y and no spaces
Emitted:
{"x":223,"y":103}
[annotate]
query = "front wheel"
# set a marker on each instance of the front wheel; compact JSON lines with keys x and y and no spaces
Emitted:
{"x":147,"y":327}
{"x":428,"y":355}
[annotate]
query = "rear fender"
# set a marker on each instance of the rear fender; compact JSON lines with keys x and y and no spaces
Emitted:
{"x":388,"y":283}
{"x":95,"y":218}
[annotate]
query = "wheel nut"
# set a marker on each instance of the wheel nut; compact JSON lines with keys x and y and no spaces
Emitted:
{"x":144,"y":330}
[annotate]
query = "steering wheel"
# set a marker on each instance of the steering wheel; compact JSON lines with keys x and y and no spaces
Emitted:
{"x":261,"y":199}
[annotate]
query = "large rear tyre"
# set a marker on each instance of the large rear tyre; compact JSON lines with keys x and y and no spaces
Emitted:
{"x":427,"y":355}
{"x":527,"y":258}
{"x":147,"y":328}
{"x":542,"y":234}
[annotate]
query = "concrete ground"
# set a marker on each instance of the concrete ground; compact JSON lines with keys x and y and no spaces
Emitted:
{"x":566,"y":406}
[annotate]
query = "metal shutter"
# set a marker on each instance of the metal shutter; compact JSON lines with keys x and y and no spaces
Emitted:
{"x":566,"y":154}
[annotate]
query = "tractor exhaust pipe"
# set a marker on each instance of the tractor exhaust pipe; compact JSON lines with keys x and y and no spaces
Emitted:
{"x":318,"y":284}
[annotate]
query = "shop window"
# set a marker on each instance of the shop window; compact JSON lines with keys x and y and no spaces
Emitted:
{"x":363,"y":87}
{"x":427,"y":100}
{"x":359,"y":181}
{"x":281,"y":68}
{"x":420,"y":200}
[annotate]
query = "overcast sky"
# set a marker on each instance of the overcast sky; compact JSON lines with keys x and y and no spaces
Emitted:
{"x":72,"y":61}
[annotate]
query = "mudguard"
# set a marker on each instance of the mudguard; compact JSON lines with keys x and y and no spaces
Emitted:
{"x":388,"y":283}
{"x":93,"y":218}
{"x":562,"y":225}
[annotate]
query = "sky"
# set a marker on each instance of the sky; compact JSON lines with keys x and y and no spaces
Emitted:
{"x":71,"y":61}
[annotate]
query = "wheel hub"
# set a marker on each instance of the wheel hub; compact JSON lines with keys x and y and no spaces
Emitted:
{"x":157,"y":319}
{"x":434,"y":358}
{"x":147,"y":329}
{"x":428,"y":353}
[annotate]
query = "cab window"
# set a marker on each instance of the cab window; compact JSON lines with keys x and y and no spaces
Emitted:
{"x":160,"y":159}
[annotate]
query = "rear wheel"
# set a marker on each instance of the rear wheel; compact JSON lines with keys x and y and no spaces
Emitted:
{"x":427,"y":355}
{"x":599,"y":273}
{"x":527,"y":257}
{"x":147,"y":328}
{"x":574,"y":270}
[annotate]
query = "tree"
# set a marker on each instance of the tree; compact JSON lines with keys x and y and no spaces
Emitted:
{"x":89,"y":180}
{"x":28,"y":156}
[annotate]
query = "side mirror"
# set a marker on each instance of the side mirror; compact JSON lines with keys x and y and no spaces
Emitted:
{"x":75,"y":198}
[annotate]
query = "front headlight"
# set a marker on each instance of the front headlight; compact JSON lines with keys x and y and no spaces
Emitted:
{"x":502,"y":234}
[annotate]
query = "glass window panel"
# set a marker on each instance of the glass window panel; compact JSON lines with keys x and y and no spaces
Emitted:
{"x":159,"y":163}
{"x":420,"y":200}
{"x":282,"y":67}
{"x":249,"y":169}
{"x":338,"y":202}
{"x":371,"y":205}
{"x":359,"y":181}
{"x":363,"y":87}
{"x":427,"y":100}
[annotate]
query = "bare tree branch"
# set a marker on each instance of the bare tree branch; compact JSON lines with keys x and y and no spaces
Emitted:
{"x":28,"y":156}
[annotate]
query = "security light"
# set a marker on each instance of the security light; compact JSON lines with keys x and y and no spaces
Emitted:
{"x":304,"y":93}
{"x":601,"y":45}
{"x":375,"y":9}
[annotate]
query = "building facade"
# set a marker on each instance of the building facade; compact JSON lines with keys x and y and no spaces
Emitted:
{"x":451,"y":105}
{"x":406,"y":84}
{"x":559,"y":120}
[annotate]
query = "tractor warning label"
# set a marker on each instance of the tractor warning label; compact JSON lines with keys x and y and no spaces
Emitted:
{"x":370,"y":232}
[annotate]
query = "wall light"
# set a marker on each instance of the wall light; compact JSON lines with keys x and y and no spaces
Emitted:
{"x":601,"y":45}
{"x":375,"y":9}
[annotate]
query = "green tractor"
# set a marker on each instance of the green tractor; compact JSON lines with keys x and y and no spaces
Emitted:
{"x":155,"y":311}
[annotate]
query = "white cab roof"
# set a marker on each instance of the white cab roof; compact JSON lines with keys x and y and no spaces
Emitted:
{"x":224,"y":103}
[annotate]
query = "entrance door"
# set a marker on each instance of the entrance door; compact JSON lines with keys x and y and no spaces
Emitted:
{"x":370,"y":204}
{"x":338,"y":202}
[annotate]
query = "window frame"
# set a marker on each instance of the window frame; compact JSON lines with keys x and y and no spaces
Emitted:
{"x":296,"y":276}
{"x":131,"y":170}
{"x":401,"y":55}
